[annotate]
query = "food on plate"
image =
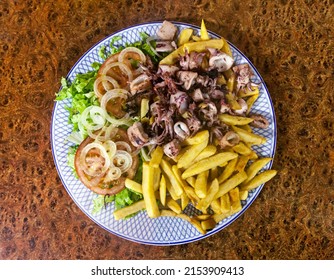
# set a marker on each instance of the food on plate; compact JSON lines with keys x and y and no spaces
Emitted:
{"x":166,"y":123}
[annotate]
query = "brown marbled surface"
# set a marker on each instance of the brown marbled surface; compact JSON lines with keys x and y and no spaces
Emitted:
{"x":290,"y":43}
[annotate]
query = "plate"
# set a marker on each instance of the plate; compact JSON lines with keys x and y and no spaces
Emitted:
{"x":141,"y":229}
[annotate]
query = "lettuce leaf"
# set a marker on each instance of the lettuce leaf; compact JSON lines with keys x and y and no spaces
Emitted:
{"x":124,"y":198}
{"x":100,"y":201}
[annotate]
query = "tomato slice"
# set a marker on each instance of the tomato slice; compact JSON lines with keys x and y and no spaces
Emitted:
{"x":116,"y":106}
{"x":97,"y":184}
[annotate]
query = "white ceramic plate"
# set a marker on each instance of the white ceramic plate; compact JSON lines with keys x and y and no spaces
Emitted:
{"x":140,"y":228}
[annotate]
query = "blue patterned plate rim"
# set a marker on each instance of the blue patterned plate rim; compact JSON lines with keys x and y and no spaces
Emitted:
{"x":221,"y":225}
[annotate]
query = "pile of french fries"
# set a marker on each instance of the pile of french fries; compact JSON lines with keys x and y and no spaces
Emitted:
{"x":212,"y":180}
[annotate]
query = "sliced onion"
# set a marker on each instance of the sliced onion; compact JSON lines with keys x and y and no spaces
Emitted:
{"x":142,"y":58}
{"x":123,"y":144}
{"x":113,"y":93}
{"x":75,"y":137}
{"x":125,"y":69}
{"x":123,"y":53}
{"x":97,"y":116}
{"x":117,"y":122}
{"x":105,"y":80}
{"x":106,"y":133}
{"x":144,"y":154}
{"x":110,"y":94}
{"x":110,"y":147}
{"x":94,"y":171}
{"x":122,"y":160}
{"x":110,"y":132}
{"x":114,"y":173}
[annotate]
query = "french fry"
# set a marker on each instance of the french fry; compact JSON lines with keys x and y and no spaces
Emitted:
{"x":184,"y":200}
{"x":167,"y":168}
{"x":241,"y":164}
{"x":228,"y":171}
{"x":196,"y":38}
{"x":235,"y":200}
{"x":191,"y":181}
{"x":177,"y":174}
{"x":173,"y":205}
{"x":208,"y":224}
{"x":193,"y":221}
{"x":231,"y":183}
{"x":243,"y":195}
{"x":208,"y":151}
{"x":234,"y":120}
{"x":191,"y":154}
{"x":226,"y":48}
{"x":185,"y":36}
{"x":133,"y":185}
{"x":171,"y":189}
{"x":184,"y":217}
{"x":228,"y":73}
{"x":221,"y":80}
{"x":167,"y":213}
{"x":202,"y":46}
{"x":148,"y":191}
{"x":205,"y":202}
{"x":249,"y":137}
{"x":230,"y":98}
{"x":250,"y":102}
{"x":215,"y":206}
{"x":220,"y":217}
{"x":246,"y":127}
{"x":156,"y":178}
{"x":191,"y":194}
{"x":214,"y":173}
{"x":163,"y":190}
{"x":253,"y":156}
{"x":208,"y":163}
{"x":242,"y":149}
{"x":156,"y":156}
{"x":230,"y":86}
{"x":225,"y":204}
{"x":197,"y":225}
{"x":204,"y":32}
{"x":246,"y":92}
{"x":129,"y":210}
{"x":182,"y":152}
{"x":255,"y":167}
{"x":201,"y":184}
{"x":199,"y":46}
{"x":197,"y":138}
{"x":144,"y":107}
{"x":202,"y":217}
{"x":260,"y":179}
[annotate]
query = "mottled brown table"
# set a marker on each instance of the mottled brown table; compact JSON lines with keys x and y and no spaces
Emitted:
{"x":290,"y":43}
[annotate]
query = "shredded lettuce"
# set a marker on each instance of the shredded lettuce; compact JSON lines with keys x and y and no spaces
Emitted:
{"x":102,"y":52}
{"x":100,"y":201}
{"x":70,"y":158}
{"x":124,"y":198}
{"x":81,"y":91}
{"x":114,"y":48}
{"x":145,"y":47}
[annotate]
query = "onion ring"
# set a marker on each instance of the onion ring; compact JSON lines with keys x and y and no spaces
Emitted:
{"x":104,"y":79}
{"x":122,"y":160}
{"x":96,"y":114}
{"x":94,"y":169}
